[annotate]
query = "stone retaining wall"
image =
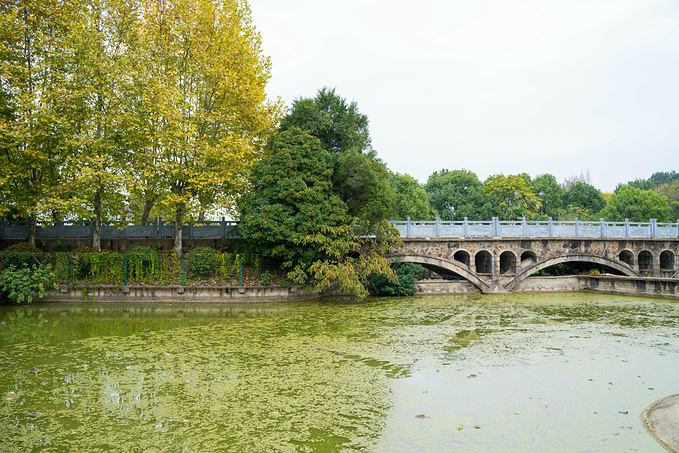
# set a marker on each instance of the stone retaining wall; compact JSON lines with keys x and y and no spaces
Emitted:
{"x":181,"y":294}
{"x":655,"y":287}
{"x":630,"y":286}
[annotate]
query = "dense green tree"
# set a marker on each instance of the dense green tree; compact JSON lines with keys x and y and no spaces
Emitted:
{"x":360,"y":178}
{"x":96,"y":159}
{"x":293,"y":217}
{"x":337,"y":124}
{"x":664,"y":177}
{"x":401,"y":284}
{"x":643,"y":184}
{"x":656,"y":180}
{"x":362,"y":182}
{"x":410,"y":199}
{"x":163,"y":101}
{"x":550,"y":193}
{"x":671,"y":192}
{"x":201,"y":84}
{"x":457,"y":194}
{"x":291,"y":198}
{"x":511,"y":197}
{"x":586,"y":198}
{"x":637,"y":205}
{"x":36,"y":124}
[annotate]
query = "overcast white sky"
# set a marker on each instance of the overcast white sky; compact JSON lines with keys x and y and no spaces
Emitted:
{"x":493,"y":86}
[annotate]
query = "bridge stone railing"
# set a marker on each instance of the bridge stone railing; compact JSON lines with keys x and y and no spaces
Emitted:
{"x":155,"y":229}
{"x":223,"y":229}
{"x":536,"y":229}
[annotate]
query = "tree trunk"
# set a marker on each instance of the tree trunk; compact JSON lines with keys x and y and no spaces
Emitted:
{"x":178,"y":219}
{"x":96,"y":230}
{"x":148,"y":205}
{"x":32,"y":228}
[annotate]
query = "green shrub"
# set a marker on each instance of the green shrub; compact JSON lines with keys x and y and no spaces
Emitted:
{"x":401,"y":285}
{"x":202,"y":261}
{"x":143,"y":263}
{"x":266,"y":278}
{"x":20,"y":259}
{"x":23,"y":282}
{"x":26,"y":247}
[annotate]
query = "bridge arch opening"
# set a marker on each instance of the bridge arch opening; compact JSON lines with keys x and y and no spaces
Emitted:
{"x":507,"y":263}
{"x":462,"y":256}
{"x":627,"y":257}
{"x":484,"y":262}
{"x":645,"y":260}
{"x":446,"y":269}
{"x":667,"y":260}
{"x":572,"y":265}
{"x":528,"y":258}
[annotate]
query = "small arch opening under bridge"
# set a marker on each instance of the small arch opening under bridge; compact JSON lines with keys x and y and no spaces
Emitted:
{"x":627,"y":257}
{"x":667,"y":260}
{"x":507,"y":263}
{"x":483,"y":262}
{"x":463,"y":257}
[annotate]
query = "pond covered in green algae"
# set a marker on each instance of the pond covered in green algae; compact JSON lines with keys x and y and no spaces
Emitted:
{"x":558,"y":372}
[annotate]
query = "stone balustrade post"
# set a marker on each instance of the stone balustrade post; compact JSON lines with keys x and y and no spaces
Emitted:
{"x":550,"y":228}
{"x":408,"y":227}
{"x":465,"y":227}
{"x":626,"y":228}
{"x":524,"y":224}
{"x":603,"y":233}
{"x":654,"y":227}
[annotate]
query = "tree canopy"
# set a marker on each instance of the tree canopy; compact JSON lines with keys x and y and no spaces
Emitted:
{"x":511,"y":197}
{"x":457,"y":194}
{"x":291,"y":199}
{"x":410,"y":199}
{"x":163,"y":101}
{"x":550,"y":193}
{"x":586,"y":198}
{"x":336,"y":123}
{"x":671,"y":192}
{"x":360,"y":178}
{"x":293,"y":216}
{"x":637,"y":205}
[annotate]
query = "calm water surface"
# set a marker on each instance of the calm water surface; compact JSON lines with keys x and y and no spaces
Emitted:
{"x":517,"y":373}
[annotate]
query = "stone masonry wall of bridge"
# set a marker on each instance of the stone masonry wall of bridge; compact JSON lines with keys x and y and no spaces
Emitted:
{"x":500,"y":264}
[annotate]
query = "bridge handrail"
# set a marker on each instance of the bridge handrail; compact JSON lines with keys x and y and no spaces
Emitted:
{"x":496,"y":228}
{"x":84,"y":229}
{"x":223,"y":229}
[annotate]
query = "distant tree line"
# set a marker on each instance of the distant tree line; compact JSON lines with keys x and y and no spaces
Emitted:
{"x":456,"y":194}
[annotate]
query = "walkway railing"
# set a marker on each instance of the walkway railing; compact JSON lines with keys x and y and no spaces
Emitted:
{"x":155,"y":229}
{"x":536,"y":229}
{"x":224,"y":229}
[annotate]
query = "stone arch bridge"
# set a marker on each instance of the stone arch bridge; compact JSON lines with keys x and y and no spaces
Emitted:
{"x":500,"y":264}
{"x":496,"y":256}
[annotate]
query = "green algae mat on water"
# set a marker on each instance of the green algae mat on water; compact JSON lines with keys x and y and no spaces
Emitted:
{"x":559,"y":372}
